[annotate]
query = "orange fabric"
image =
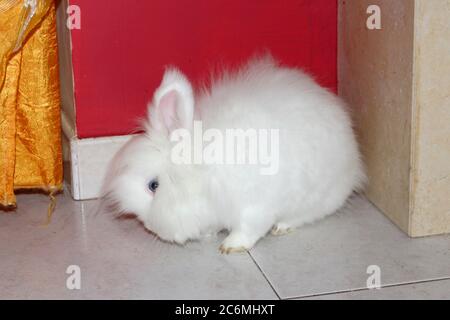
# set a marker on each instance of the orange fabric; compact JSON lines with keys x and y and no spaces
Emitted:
{"x":30,"y":128}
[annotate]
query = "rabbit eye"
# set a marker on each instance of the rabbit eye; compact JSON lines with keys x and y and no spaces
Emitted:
{"x":153,"y":185}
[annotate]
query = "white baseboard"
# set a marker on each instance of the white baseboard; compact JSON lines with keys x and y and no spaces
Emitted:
{"x":86,"y":160}
{"x":89,"y":159}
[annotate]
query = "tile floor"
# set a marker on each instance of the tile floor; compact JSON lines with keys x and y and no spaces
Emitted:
{"x":118,"y":259}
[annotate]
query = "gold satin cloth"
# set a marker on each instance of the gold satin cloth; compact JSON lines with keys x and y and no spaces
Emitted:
{"x":30,"y":127}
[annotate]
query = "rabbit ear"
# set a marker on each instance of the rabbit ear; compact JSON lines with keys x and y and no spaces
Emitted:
{"x":173,"y":103}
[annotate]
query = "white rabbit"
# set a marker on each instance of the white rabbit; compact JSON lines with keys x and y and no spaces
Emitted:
{"x":319,"y":165}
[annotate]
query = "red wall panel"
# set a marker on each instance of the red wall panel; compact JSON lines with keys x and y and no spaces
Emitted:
{"x":122,"y":47}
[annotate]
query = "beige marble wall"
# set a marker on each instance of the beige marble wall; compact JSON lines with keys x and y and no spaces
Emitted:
{"x":66,"y":77}
{"x":397,"y":82}
{"x":430,"y":176}
{"x":65,"y":61}
{"x":375,"y":78}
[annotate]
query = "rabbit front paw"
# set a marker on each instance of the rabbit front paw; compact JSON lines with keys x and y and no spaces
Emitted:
{"x":281,"y":229}
{"x":236,"y":242}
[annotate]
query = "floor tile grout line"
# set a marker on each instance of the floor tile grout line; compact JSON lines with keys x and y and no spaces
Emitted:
{"x":326,"y":294}
{"x":264,"y":275}
{"x":366,"y":289}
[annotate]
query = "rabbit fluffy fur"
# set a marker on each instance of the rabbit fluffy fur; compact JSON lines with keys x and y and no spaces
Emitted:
{"x":319,"y":162}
